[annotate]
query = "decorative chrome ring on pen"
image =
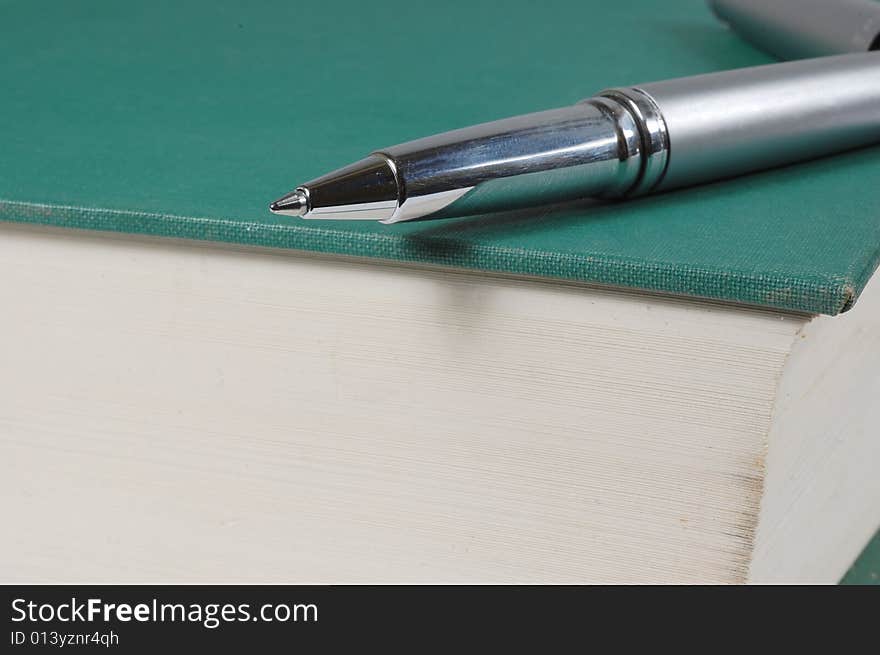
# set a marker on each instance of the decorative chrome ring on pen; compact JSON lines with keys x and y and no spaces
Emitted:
{"x":652,"y":132}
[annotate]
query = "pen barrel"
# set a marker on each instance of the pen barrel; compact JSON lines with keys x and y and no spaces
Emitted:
{"x":724,"y":124}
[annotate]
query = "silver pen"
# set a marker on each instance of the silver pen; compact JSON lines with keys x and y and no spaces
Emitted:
{"x":620,"y":143}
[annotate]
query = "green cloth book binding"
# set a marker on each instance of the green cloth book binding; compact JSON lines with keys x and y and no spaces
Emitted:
{"x":324,"y":419}
{"x":185,"y":120}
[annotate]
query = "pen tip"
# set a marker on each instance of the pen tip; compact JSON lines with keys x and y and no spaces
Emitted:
{"x":295,"y":203}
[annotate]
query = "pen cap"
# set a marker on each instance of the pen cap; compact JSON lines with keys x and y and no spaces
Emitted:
{"x":799,"y":29}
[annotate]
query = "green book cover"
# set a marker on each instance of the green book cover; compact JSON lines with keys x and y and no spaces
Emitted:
{"x":184,"y":119}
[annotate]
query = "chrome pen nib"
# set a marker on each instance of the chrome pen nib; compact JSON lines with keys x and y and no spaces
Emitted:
{"x":295,"y":203}
{"x":365,"y":190}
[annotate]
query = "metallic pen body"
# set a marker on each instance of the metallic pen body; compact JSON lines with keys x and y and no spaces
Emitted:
{"x":738,"y":121}
{"x":619,"y":143}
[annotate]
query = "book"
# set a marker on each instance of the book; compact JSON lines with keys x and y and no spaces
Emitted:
{"x":656,"y":390}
